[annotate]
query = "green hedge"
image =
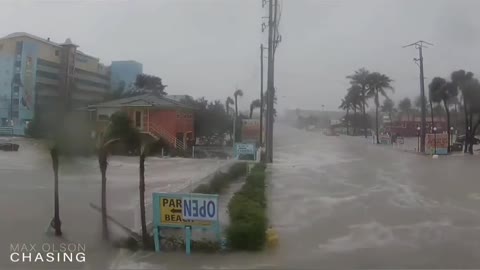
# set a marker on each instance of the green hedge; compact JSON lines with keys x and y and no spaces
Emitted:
{"x":221,"y":180}
{"x":247,"y":210}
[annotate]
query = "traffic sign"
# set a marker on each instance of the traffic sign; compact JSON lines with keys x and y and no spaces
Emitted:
{"x":171,"y":213}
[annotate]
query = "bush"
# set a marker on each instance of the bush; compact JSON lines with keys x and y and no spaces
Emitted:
{"x":221,"y":180}
{"x":247,"y":210}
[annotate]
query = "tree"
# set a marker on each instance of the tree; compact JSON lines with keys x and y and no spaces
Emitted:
{"x":355,"y":98}
{"x":377,"y":84}
{"x":228,"y":102}
{"x":463,"y":81}
{"x":236,"y":94}
{"x":346,"y":105}
{"x":121,"y":129}
{"x":56,"y":224}
{"x":360,"y":78}
{"x":255,"y":104}
{"x":150,"y":82}
{"x":388,"y":107}
{"x":443,"y":91}
{"x":405,"y":106}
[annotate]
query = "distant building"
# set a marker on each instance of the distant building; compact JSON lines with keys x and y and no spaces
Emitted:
{"x":38,"y":75}
{"x":124,"y":73}
{"x":152,"y":114}
{"x":407,"y":126}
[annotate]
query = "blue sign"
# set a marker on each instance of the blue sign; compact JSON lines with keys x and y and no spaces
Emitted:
{"x":199,"y":208}
{"x":188,"y":211}
{"x":245,"y":149}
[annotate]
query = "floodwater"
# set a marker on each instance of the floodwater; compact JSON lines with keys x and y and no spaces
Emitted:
{"x":337,"y":203}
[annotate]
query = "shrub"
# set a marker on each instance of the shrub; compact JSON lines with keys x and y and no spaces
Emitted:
{"x":247,"y":211}
{"x":221,"y":180}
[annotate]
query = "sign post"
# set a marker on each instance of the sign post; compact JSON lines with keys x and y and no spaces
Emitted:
{"x":188,"y":211}
{"x":244,"y":149}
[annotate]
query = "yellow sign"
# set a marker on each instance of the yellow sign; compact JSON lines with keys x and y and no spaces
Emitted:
{"x":171,"y":213}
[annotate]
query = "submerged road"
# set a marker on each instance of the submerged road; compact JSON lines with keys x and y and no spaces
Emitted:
{"x":341,"y":202}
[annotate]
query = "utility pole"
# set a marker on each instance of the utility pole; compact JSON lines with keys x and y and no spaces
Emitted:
{"x":261,"y":95}
{"x":420,"y":45}
{"x":269,"y":144}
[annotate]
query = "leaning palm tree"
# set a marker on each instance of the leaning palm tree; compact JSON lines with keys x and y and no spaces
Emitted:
{"x":354,"y":95}
{"x":255,"y":104}
{"x":228,"y":102}
{"x":377,"y":84}
{"x":236,"y":94}
{"x":56,"y":223}
{"x":463,"y":81}
{"x":443,"y":91}
{"x":360,"y":78}
{"x":121,"y":129}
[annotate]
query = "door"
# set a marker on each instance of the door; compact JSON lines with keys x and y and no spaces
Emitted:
{"x":138,"y":119}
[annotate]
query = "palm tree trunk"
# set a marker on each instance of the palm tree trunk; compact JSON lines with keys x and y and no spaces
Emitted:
{"x":472,"y":134}
{"x":376,"y":115}
{"x":354,"y":120}
{"x":236,"y":107}
{"x":431,"y":116}
{"x":102,"y":161}
{"x":142,"y":198}
{"x":56,"y":217}
{"x":364,"y":113}
{"x":448,"y":123}
{"x":251,"y":113}
{"x":467,"y":135}
{"x":348,"y":119}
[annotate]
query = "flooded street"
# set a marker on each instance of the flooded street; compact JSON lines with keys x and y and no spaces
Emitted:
{"x":336,"y":203}
{"x":341,"y":202}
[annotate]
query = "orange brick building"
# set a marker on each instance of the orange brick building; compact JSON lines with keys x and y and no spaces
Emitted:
{"x":152,"y":114}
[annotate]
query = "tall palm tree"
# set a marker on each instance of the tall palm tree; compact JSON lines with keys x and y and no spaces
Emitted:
{"x":461,"y":80}
{"x":360,"y":78}
{"x":377,"y":84}
{"x":228,"y":102}
{"x":354,"y":95}
{"x":443,"y":91}
{"x":236,"y":94}
{"x":255,"y":104}
{"x":121,"y":129}
{"x":388,"y":107}
{"x":346,"y":105}
{"x":405,"y":106}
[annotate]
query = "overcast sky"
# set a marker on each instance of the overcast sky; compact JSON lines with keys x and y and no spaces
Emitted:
{"x":210,"y":47}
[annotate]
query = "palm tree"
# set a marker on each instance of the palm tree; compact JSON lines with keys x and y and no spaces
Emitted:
{"x":443,"y":91}
{"x":461,"y":79}
{"x":388,"y":107}
{"x":236,"y":94}
{"x":354,"y":95}
{"x":346,"y":105}
{"x":255,"y":104}
{"x":377,"y":84}
{"x":120,"y":128}
{"x":405,"y":106}
{"x":228,"y":102}
{"x":360,"y":78}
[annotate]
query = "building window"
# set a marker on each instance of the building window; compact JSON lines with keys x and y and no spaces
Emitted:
{"x":138,"y":119}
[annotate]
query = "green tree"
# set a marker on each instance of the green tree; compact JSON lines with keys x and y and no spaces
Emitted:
{"x":360,"y":78}
{"x":464,"y":82}
{"x":119,"y":129}
{"x":388,"y":107}
{"x":236,"y":94}
{"x":346,"y":105}
{"x":255,"y":104}
{"x":405,"y":106}
{"x":377,"y":84}
{"x":443,"y":91}
{"x":355,"y":98}
{"x":228,"y":102}
{"x":150,"y":82}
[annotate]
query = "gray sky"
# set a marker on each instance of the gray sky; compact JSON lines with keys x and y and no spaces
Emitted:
{"x":210,"y":47}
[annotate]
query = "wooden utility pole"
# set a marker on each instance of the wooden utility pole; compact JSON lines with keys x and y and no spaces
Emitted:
{"x":261,"y":94}
{"x":420,"y":45}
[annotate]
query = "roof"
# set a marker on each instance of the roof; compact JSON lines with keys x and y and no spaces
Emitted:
{"x":68,"y":41}
{"x":143,"y":100}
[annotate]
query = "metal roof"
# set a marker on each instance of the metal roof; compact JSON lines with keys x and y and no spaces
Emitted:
{"x":143,"y":100}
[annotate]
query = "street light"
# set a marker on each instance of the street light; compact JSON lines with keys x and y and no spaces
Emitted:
{"x":451,"y":136}
{"x":435,"y":138}
{"x":418,"y":138}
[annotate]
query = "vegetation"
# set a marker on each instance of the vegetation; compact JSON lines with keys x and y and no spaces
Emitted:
{"x":388,"y":107}
{"x":221,"y":180}
{"x":150,"y":82}
{"x":236,"y":94}
{"x":377,"y":84}
{"x":359,"y":80}
{"x":255,"y":104}
{"x":247,"y":211}
{"x":405,"y":106}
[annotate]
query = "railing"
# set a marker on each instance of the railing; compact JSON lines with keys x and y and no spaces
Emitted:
{"x":6,"y":131}
{"x":160,"y":132}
